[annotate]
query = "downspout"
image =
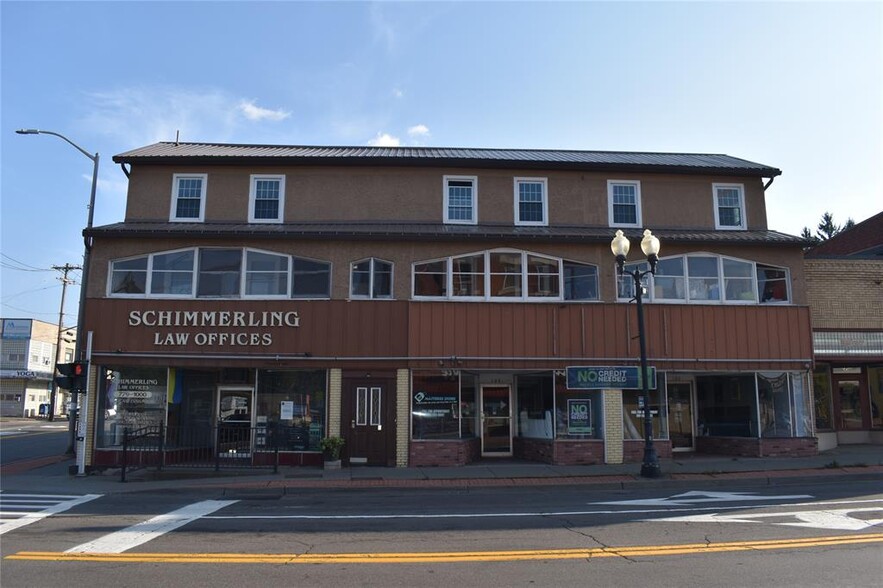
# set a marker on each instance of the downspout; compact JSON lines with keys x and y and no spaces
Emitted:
{"x":765,"y":186}
{"x":125,"y":171}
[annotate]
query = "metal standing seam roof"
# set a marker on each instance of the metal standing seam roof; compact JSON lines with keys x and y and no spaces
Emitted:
{"x":428,"y":231}
{"x":220,"y":153}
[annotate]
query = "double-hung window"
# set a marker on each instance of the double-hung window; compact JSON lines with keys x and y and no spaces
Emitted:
{"x":188,"y":197}
{"x":460,"y":199}
{"x":531,"y":202}
{"x":266,"y":200}
{"x":624,"y":203}
{"x":729,"y":207}
{"x":371,"y":278}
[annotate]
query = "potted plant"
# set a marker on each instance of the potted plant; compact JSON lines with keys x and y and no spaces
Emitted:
{"x":331,"y":447}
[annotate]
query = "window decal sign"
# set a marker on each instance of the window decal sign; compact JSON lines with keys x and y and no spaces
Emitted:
{"x":609,"y":378}
{"x":579,"y":416}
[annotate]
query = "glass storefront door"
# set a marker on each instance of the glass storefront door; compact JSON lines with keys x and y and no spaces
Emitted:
{"x":680,"y":416}
{"x":850,"y":404}
{"x":234,"y":422}
{"x":496,"y":421}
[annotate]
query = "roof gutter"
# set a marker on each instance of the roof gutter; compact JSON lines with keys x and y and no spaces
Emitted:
{"x":768,"y":184}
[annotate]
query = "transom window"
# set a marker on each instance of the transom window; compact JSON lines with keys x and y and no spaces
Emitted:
{"x":371,"y":278}
{"x":188,"y":197}
{"x":624,"y":203}
{"x":729,"y":206}
{"x":505,"y":275}
{"x":531,"y":202}
{"x":266,"y":199}
{"x":460,"y":199}
{"x":708,"y":279}
{"x":220,"y":273}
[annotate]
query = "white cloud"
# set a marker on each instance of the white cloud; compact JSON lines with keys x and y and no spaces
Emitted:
{"x":418,"y":131}
{"x":253,"y":112}
{"x":397,"y":93}
{"x":384,"y":140}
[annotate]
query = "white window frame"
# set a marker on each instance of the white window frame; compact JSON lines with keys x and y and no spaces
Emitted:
{"x":744,"y":211}
{"x":447,"y":219}
{"x":638,"y":217}
{"x":370,"y":296}
{"x":314,"y":260}
{"x":193,"y":272}
{"x":545,"y":202}
{"x":176,"y":178}
{"x":252,"y":198}
{"x":245,"y":272}
{"x":448,"y":277}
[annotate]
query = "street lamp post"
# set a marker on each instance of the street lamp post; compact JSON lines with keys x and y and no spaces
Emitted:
{"x":87,"y":249}
{"x":650,"y":246}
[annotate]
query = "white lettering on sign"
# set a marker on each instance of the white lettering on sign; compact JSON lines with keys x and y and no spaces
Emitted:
{"x":215,"y":319}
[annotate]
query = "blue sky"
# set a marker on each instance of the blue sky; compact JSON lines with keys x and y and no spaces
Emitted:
{"x":795,"y":85}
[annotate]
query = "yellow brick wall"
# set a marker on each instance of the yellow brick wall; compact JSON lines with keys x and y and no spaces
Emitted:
{"x":613,"y":426}
{"x":403,"y":414}
{"x":91,"y":412}
{"x":335,"y":387}
{"x":844,"y":293}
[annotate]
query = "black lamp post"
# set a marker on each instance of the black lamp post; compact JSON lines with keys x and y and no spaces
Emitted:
{"x":650,"y":246}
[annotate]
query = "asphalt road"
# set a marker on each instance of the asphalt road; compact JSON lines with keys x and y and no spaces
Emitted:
{"x":749,"y":535}
{"x":31,"y":439}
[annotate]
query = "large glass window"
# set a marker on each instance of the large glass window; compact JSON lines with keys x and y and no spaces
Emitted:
{"x":188,"y":197}
{"x":172,"y":273}
{"x":824,"y":410}
{"x":129,"y":276}
{"x":580,"y":281}
{"x":704,"y":282}
{"x":468,"y":276}
{"x":633,"y":412}
{"x":669,"y":279}
{"x":738,"y":280}
{"x":291,"y":405}
{"x":727,"y":405}
{"x":624,"y":203}
{"x":310,"y":279}
{"x":775,"y":405}
{"x":579,"y":414}
{"x":460,"y":199}
{"x":772,"y":284}
{"x":431,"y":279}
{"x":435,"y":405}
{"x":542,"y":277}
{"x":371,"y":278}
{"x":219,"y":273}
{"x":536,"y":405}
{"x":530,"y":201}
{"x":875,"y":385}
{"x":266,"y":274}
{"x":129,"y":399}
{"x":505,"y":274}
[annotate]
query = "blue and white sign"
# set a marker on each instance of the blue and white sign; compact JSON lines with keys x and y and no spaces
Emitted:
{"x":16,"y":328}
{"x":608,"y":377}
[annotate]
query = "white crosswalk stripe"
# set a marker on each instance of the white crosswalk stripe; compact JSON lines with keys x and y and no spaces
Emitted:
{"x":18,"y":510}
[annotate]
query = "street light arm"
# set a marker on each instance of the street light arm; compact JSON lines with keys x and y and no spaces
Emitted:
{"x":94,"y":158}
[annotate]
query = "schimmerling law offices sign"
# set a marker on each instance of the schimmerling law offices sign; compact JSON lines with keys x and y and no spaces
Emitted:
{"x":240,"y":328}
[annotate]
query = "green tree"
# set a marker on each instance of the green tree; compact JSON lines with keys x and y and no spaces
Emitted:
{"x":826,"y":229}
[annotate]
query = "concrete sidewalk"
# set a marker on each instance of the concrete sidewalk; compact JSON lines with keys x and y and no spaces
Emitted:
{"x":846,"y":463}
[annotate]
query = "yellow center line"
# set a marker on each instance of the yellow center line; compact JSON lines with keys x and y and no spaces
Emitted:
{"x":451,"y":557}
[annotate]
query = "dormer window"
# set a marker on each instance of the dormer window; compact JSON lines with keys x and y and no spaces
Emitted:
{"x":188,"y":197}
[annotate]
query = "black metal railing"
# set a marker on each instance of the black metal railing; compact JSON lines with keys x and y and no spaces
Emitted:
{"x":224,"y":446}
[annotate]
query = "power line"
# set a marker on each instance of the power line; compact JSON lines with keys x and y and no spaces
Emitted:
{"x":24,"y":266}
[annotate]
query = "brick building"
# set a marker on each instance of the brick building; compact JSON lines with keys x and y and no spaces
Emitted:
{"x":844,"y":278}
{"x":426,"y":304}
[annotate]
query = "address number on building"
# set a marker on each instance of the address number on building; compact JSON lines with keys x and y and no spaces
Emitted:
{"x":608,"y":377}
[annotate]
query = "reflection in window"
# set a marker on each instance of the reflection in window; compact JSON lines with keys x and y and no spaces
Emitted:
{"x":535,"y":402}
{"x":468,"y":275}
{"x":875,"y":384}
{"x":669,"y":279}
{"x":738,"y":280}
{"x":310,"y":279}
{"x":219,"y":273}
{"x":542,"y":277}
{"x":371,"y":278}
{"x":129,"y":276}
{"x":775,"y":405}
{"x":266,"y":274}
{"x":505,"y":274}
{"x":727,"y":406}
{"x":579,"y":414}
{"x":633,"y":412}
{"x":823,"y":398}
{"x":291,"y":405}
{"x":431,"y":279}
{"x":704,"y":283}
{"x":172,"y":273}
{"x":580,"y":281}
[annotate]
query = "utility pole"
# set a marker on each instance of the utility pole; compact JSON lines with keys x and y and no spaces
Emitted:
{"x":65,"y":269}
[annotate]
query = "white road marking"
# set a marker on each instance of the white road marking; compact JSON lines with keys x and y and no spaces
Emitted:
{"x":145,"y":531}
{"x":838,"y":519}
{"x":695,"y":497}
{"x":31,"y":508}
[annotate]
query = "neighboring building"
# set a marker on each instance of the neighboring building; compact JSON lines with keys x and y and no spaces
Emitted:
{"x":844,"y":277}
{"x":425,"y":304}
{"x":27,"y":359}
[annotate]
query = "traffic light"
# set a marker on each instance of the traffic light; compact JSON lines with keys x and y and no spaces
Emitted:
{"x":73,"y":376}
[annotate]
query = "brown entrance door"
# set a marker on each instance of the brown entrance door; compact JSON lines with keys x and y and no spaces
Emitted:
{"x":368,"y":422}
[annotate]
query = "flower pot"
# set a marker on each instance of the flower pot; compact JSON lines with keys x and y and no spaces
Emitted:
{"x":332,"y":464}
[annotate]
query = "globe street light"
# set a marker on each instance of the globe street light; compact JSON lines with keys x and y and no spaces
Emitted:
{"x":650,"y":246}
{"x":87,"y":242}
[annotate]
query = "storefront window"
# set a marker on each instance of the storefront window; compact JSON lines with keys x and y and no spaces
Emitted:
{"x":875,"y":384}
{"x":579,"y":414}
{"x":468,"y":413}
{"x":535,"y":405}
{"x":435,"y":405}
{"x":775,"y":407}
{"x":802,"y":405}
{"x":130,"y":398}
{"x":727,"y":405}
{"x":821,"y":379}
{"x":633,"y":412}
{"x":291,"y":405}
